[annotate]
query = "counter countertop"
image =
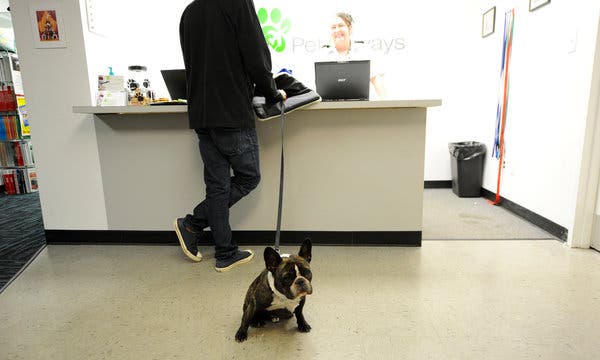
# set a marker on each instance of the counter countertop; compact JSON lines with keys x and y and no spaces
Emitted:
{"x":329,"y":105}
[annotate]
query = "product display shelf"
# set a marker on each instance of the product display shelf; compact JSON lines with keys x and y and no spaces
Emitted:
{"x":17,"y":166}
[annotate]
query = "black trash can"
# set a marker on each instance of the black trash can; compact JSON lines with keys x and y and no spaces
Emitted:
{"x":467,"y":167}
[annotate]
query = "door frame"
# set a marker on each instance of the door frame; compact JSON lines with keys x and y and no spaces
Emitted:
{"x":589,"y":175}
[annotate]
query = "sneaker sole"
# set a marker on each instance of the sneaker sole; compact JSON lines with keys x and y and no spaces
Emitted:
{"x":182,"y":244}
{"x":239,"y":262}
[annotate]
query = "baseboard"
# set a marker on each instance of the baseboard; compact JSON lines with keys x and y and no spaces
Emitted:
{"x":438,"y":184}
{"x":538,"y":220}
{"x":345,"y":238}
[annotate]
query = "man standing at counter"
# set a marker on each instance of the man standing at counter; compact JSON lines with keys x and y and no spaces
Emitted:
{"x":225,"y":57}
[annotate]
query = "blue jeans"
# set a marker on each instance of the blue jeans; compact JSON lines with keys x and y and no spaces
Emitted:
{"x":223,"y":150}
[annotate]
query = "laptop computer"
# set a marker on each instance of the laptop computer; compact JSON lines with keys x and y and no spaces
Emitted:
{"x":176,"y":83}
{"x":343,"y":80}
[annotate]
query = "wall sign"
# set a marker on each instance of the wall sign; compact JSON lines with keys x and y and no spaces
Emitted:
{"x":488,"y":22}
{"x":535,"y":4}
{"x":47,"y":25}
{"x":274,"y":27}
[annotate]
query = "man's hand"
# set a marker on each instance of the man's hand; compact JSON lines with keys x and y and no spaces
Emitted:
{"x":283,"y":94}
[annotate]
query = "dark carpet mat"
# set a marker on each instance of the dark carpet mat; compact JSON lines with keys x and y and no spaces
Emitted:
{"x":21,"y":233}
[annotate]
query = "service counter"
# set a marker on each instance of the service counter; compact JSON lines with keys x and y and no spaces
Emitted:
{"x":353,"y":174}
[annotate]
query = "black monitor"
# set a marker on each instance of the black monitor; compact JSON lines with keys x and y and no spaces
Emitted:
{"x":343,"y":80}
{"x":176,"y":83}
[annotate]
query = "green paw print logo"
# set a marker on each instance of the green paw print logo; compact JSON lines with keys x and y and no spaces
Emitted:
{"x":275,"y":31}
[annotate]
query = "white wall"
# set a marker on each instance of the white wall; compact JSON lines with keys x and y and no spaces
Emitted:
{"x":548,"y":104}
{"x":64,"y":143}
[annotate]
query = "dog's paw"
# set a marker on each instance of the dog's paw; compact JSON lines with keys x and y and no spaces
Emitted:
{"x":304,"y":327}
{"x":241,"y":335}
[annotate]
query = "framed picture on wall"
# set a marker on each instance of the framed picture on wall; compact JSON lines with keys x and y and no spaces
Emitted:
{"x":47,"y":25}
{"x":488,"y":22}
{"x":535,"y":4}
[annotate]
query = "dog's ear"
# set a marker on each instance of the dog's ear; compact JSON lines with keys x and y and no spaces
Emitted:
{"x":272,"y":259}
{"x":306,"y":250}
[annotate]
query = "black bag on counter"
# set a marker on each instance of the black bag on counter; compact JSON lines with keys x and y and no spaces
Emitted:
{"x":298,"y":96}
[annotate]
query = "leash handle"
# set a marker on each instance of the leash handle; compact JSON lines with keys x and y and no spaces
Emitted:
{"x":281,"y":168}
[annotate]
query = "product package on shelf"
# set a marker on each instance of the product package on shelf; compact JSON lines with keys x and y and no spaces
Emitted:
{"x":11,"y":182}
{"x":10,"y":72}
{"x":10,"y":81}
{"x":7,"y":179}
{"x":10,"y":127}
{"x":6,"y":156}
{"x":8,"y":101}
{"x":27,"y":149}
{"x":111,"y":91}
{"x":16,"y":153}
{"x":20,"y":181}
{"x":111,"y":83}
{"x":23,"y":116}
{"x":32,"y":179}
{"x":111,"y":98}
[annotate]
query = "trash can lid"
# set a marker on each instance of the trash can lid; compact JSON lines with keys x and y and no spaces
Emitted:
{"x":466,"y":150}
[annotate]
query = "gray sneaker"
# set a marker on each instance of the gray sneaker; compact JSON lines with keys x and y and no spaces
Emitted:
{"x":239,"y":258}
{"x":187,"y":240}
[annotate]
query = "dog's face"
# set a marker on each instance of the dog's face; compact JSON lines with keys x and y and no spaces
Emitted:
{"x":292,"y":275}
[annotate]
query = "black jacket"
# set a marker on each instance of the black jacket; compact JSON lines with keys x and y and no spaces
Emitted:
{"x":225,"y":55}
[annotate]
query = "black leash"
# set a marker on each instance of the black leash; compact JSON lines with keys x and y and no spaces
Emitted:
{"x":281,"y":167}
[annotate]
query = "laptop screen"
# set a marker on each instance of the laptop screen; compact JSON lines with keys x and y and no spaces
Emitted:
{"x":343,"y":80}
{"x":176,"y":83}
